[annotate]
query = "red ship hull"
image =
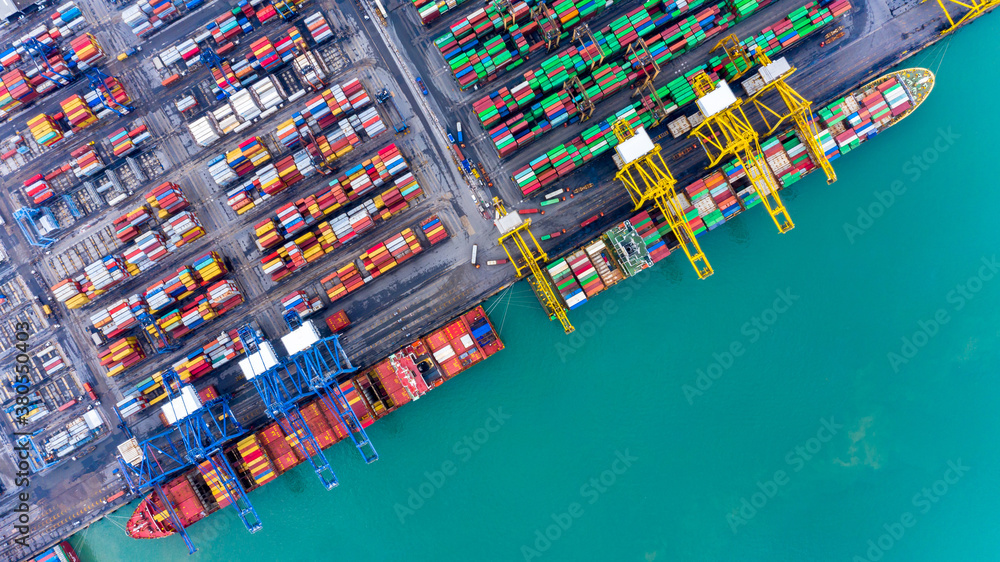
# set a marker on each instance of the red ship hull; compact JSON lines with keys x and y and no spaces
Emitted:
{"x":143,"y":524}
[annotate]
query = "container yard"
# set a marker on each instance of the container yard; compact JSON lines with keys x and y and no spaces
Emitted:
{"x":200,"y":195}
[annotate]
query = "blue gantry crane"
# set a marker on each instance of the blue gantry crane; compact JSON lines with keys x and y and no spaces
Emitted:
{"x":292,"y":319}
{"x":71,"y":205}
{"x":26,"y":219}
{"x":286,"y":11}
{"x":157,"y":339}
{"x":211,"y":59}
{"x":38,"y":50}
{"x":38,"y":462}
{"x":99,"y":85}
{"x":198,"y":433}
{"x":310,"y":371}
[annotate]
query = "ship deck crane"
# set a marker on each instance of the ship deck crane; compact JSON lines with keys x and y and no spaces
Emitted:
{"x":797,"y":108}
{"x":513,"y":229}
{"x":311,"y":371}
{"x":726,"y":131}
{"x":198,"y":434}
{"x":975,"y":9}
{"x":647,"y":178}
{"x":41,"y":50}
{"x":98,"y":83}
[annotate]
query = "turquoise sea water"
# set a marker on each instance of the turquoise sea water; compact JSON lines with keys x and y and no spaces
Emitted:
{"x":754,"y":416}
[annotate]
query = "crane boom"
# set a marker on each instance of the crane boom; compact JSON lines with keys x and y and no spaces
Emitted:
{"x":797,"y":108}
{"x":975,"y":9}
{"x":736,"y":52}
{"x":647,"y":178}
{"x":199,"y":432}
{"x":725,"y":132}
{"x":511,"y":229}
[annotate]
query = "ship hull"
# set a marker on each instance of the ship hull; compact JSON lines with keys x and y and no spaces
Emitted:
{"x":272,"y":450}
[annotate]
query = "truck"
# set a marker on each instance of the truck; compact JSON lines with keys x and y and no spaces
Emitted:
{"x":90,"y":391}
{"x":475,"y":253}
{"x":129,"y":53}
{"x":423,"y":88}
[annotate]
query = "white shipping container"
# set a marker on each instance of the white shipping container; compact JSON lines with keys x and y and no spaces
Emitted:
{"x":204,"y":131}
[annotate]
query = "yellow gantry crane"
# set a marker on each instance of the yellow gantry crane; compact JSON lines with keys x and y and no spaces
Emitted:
{"x":736,"y":52}
{"x":581,"y":34}
{"x":647,"y":178}
{"x":645,"y":90}
{"x":975,"y":9}
{"x":727,"y":132}
{"x":577,"y":93}
{"x":505,"y":8}
{"x":552,"y":32}
{"x":517,"y":230}
{"x":639,"y":52}
{"x":797,"y":108}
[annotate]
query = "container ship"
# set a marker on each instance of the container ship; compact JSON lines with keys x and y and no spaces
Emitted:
{"x":61,"y":552}
{"x":718,"y":197}
{"x":260,"y":457}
